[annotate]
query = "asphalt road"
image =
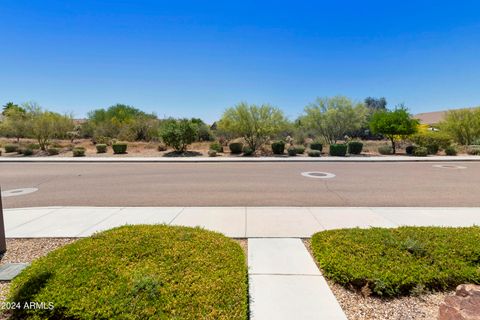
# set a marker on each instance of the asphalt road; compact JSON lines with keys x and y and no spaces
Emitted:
{"x":241,"y":184}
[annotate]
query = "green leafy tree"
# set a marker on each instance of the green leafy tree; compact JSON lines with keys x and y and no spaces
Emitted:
{"x":394,"y":124}
{"x":45,"y":125}
{"x":463,"y":125}
{"x":14,"y":122}
{"x":255,"y":124}
{"x":332,"y":118}
{"x":178,"y":134}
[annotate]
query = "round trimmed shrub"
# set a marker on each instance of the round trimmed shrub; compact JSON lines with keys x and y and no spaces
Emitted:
{"x":355,"y":147}
{"x":78,"y":152}
{"x":53,"y":151}
{"x":410,"y":149}
{"x":27,"y":152}
{"x":420,"y":152}
{"x":300,"y":149}
{"x":316,"y":146}
{"x":432,"y":148}
{"x":278,"y":147}
{"x":247,"y":151}
{"x":292,"y":151}
{"x":236,"y":147}
{"x":314,"y":153}
{"x":216,"y":146}
{"x":212,"y":153}
{"x":119,"y":148}
{"x":338,"y":150}
{"x":11,"y":148}
{"x":138,"y":272}
{"x":450,"y":151}
{"x":101,"y":147}
{"x":385,"y":150}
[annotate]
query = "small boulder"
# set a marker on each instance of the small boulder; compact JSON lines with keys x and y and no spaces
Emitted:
{"x":464,"y":305}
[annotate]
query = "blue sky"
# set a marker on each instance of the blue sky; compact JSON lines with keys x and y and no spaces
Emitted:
{"x":195,"y":58}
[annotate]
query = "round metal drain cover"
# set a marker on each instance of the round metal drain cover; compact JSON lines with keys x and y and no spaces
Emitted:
{"x":448,"y":166}
{"x":18,"y":192}
{"x":318,"y":175}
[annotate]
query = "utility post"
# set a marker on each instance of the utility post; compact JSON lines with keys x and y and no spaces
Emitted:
{"x":3,"y":243}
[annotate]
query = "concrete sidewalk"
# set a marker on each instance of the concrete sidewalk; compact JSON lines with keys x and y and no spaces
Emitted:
{"x":237,"y":222}
{"x":120,"y":159}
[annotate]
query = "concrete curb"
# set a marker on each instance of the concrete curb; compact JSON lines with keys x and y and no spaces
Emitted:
{"x":235,"y":159}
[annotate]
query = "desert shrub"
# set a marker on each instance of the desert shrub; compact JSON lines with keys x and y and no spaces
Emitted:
{"x":53,"y":151}
{"x":463,"y":125}
{"x":178,"y":134}
{"x":431,"y":138}
{"x":432,"y":148}
{"x":420,"y":152}
{"x":247,"y":151}
{"x":316,"y":146}
{"x":300,"y":149}
{"x":33,"y":146}
{"x":450,"y":151}
{"x":339,"y":150}
{"x":119,"y":148}
{"x":216,"y":146}
{"x":9,"y":148}
{"x":78,"y":152}
{"x":385,"y":150}
{"x":314,"y":153}
{"x":292,"y":151}
{"x":101,"y":147}
{"x":236,"y":147}
{"x":473,"y":150}
{"x":212,"y":153}
{"x":278,"y":147}
{"x":138,"y":272}
{"x":355,"y":147}
{"x":394,"y":262}
{"x":410,"y":149}
{"x":27,"y":151}
{"x":161,"y":147}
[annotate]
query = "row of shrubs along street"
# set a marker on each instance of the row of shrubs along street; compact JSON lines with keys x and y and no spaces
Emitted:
{"x":335,"y":126}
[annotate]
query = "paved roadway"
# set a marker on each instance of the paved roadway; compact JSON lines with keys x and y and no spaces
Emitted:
{"x":241,"y":184}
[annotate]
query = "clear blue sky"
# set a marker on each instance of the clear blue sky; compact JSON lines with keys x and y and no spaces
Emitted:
{"x":195,"y":58}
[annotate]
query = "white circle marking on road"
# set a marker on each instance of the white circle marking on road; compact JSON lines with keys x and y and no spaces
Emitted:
{"x":318,"y":175}
{"x":448,"y":166}
{"x":18,"y":192}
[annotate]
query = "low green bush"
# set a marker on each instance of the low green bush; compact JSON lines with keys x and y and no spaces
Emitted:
{"x":9,"y":148}
{"x":300,"y":149}
{"x":247,"y":151}
{"x":119,"y":148}
{"x":473,"y":150}
{"x":278,"y":147}
{"x":432,"y":138}
{"x":355,"y":147}
{"x":53,"y":151}
{"x":138,"y":272}
{"x":410,"y":149}
{"x":450,"y":151}
{"x":236,"y":147}
{"x":314,"y":153}
{"x":385,"y":150}
{"x":78,"y":151}
{"x":316,"y":146}
{"x":420,"y":152}
{"x":33,"y":146}
{"x":212,"y":153}
{"x":27,"y":152}
{"x":292,"y":151}
{"x":216,"y":146}
{"x":432,"y":148}
{"x":401,"y":261}
{"x":101,"y":147}
{"x":338,"y":150}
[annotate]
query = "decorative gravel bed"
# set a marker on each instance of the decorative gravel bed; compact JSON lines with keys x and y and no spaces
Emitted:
{"x":359,"y":307}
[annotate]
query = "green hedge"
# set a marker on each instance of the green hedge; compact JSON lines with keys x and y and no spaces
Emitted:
{"x":53,"y":151}
{"x":421,"y":152}
{"x":216,"y":146}
{"x":339,"y":150}
{"x":101,"y":147}
{"x":355,"y":147}
{"x":278,"y":147}
{"x":78,"y":151}
{"x":292,"y":151}
{"x":300,"y":149}
{"x":119,"y":148}
{"x":138,"y":272}
{"x":247,"y":151}
{"x":11,"y":148}
{"x":314,"y":153}
{"x":401,"y":261}
{"x":385,"y":150}
{"x":316,"y":146}
{"x":236,"y":147}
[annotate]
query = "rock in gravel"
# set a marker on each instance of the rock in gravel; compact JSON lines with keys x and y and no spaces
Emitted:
{"x":464,"y":305}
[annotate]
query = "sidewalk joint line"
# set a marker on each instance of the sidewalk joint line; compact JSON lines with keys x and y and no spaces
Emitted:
{"x":176,"y":216}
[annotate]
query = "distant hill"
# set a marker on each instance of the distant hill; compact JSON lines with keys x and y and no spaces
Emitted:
{"x":434,"y":117}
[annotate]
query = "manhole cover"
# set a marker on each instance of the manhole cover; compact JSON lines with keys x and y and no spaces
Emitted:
{"x":448,"y":166}
{"x":318,"y":175}
{"x":18,"y":192}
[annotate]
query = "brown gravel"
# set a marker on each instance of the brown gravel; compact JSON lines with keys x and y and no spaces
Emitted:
{"x":358,"y":307}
